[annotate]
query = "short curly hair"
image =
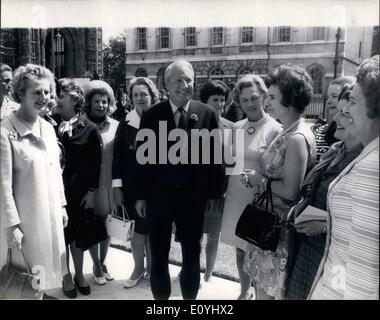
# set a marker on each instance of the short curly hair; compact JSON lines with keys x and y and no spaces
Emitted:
{"x":213,"y":87}
{"x":153,"y":91}
{"x":367,"y":76}
{"x":23,"y":74}
{"x":248,"y":81}
{"x":295,"y":85}
{"x":103,"y":88}
{"x":71,"y":87}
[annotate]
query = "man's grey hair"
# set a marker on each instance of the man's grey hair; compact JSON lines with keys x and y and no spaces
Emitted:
{"x":178,"y":64}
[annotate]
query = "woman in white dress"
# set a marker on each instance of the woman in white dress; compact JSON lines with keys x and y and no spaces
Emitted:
{"x":259,"y":130}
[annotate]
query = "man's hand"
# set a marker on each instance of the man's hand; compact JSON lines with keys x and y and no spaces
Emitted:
{"x":118,"y":196}
{"x":141,"y":208}
{"x":311,"y":228}
{"x":88,"y":200}
{"x":65,"y":217}
{"x":14,"y":237}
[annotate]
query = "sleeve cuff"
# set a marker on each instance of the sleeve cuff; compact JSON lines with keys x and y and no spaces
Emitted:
{"x":117,"y":183}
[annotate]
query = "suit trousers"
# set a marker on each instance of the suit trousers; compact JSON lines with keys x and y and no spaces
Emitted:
{"x":188,"y":216}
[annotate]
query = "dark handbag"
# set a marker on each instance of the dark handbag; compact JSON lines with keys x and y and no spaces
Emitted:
{"x":91,"y":229}
{"x":260,"y":226}
{"x":18,"y":284}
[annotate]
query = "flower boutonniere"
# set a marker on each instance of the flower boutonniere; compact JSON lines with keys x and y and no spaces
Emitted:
{"x":194,"y":117}
{"x":13,"y":135}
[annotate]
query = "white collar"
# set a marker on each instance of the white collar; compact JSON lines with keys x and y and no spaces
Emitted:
{"x":174,"y":107}
{"x":133,"y":119}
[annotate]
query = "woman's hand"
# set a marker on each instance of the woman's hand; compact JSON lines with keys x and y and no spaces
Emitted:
{"x":311,"y":228}
{"x":65,"y":217}
{"x":88,"y":200}
{"x":118,"y":196}
{"x":211,"y":203}
{"x":140,"y":207}
{"x":14,"y":237}
{"x":251,"y":178}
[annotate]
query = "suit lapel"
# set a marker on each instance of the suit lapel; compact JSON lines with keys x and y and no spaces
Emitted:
{"x":168,"y":115}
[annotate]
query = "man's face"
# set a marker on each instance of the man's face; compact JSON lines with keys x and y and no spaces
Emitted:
{"x":180,"y":85}
{"x":5,"y":81}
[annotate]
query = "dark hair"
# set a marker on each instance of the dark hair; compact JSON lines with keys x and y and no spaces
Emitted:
{"x":213,"y":87}
{"x":367,"y":76}
{"x":346,"y":91}
{"x":295,"y":85}
{"x":74,"y":89}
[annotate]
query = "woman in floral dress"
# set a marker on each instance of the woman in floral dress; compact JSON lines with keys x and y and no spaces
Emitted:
{"x":284,"y":164}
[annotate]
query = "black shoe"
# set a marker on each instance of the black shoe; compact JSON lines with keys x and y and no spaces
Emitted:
{"x":69,"y":293}
{"x":83,"y":290}
{"x":47,"y":297}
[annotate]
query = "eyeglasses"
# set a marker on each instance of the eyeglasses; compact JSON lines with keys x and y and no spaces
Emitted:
{"x":345,"y":112}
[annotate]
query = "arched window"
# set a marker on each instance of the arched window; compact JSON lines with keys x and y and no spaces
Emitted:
{"x":216,"y":73}
{"x":242,"y":71}
{"x":317,"y":73}
{"x":141,"y":72}
{"x":161,"y":79}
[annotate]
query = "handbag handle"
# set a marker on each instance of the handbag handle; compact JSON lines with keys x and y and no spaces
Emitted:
{"x":123,"y":210}
{"x":9,"y":260}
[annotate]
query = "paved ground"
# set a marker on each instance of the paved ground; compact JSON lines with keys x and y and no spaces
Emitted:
{"x":120,"y":264}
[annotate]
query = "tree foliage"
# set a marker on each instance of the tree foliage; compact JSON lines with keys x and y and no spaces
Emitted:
{"x":114,"y":61}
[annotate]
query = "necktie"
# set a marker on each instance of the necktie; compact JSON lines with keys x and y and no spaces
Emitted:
{"x":181,"y":120}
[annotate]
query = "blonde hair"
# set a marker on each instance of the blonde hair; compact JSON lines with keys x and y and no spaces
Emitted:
{"x":23,"y":74}
{"x":103,"y":88}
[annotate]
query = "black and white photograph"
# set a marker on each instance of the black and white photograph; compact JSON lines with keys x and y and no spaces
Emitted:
{"x":211,"y":150}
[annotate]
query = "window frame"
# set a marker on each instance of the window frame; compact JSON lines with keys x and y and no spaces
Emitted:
{"x":213,"y":32}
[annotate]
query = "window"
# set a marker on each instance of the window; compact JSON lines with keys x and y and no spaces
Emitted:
{"x":141,"y":38}
{"x":243,"y":71}
{"x":246,"y":35}
{"x":190,"y":37}
{"x":217,"y":36}
{"x":141,"y":72}
{"x":34,"y":45}
{"x":216,"y":73}
{"x":282,"y":34}
{"x":317,"y":73}
{"x":319,"y":33}
{"x":163,"y":38}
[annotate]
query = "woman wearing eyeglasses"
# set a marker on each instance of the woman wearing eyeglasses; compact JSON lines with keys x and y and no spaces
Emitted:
{"x":312,"y":233}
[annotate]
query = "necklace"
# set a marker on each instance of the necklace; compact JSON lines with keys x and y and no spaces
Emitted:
{"x":251,"y":130}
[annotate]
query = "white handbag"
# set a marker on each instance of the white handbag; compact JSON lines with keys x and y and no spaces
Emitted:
{"x":121,"y":228}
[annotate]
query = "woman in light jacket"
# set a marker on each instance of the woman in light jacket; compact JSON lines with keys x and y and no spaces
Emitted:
{"x":350,"y":266}
{"x":99,"y":105}
{"x":32,"y":196}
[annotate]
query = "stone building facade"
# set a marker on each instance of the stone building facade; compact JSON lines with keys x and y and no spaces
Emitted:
{"x":68,"y":52}
{"x":228,"y":53}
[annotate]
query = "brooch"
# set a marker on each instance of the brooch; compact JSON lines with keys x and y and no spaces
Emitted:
{"x":13,"y":135}
{"x":194,"y":117}
{"x":251,"y":130}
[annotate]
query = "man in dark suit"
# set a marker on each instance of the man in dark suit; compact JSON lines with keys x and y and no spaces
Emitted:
{"x":180,"y":192}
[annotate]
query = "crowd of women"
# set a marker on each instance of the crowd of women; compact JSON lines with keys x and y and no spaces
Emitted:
{"x":54,"y":179}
